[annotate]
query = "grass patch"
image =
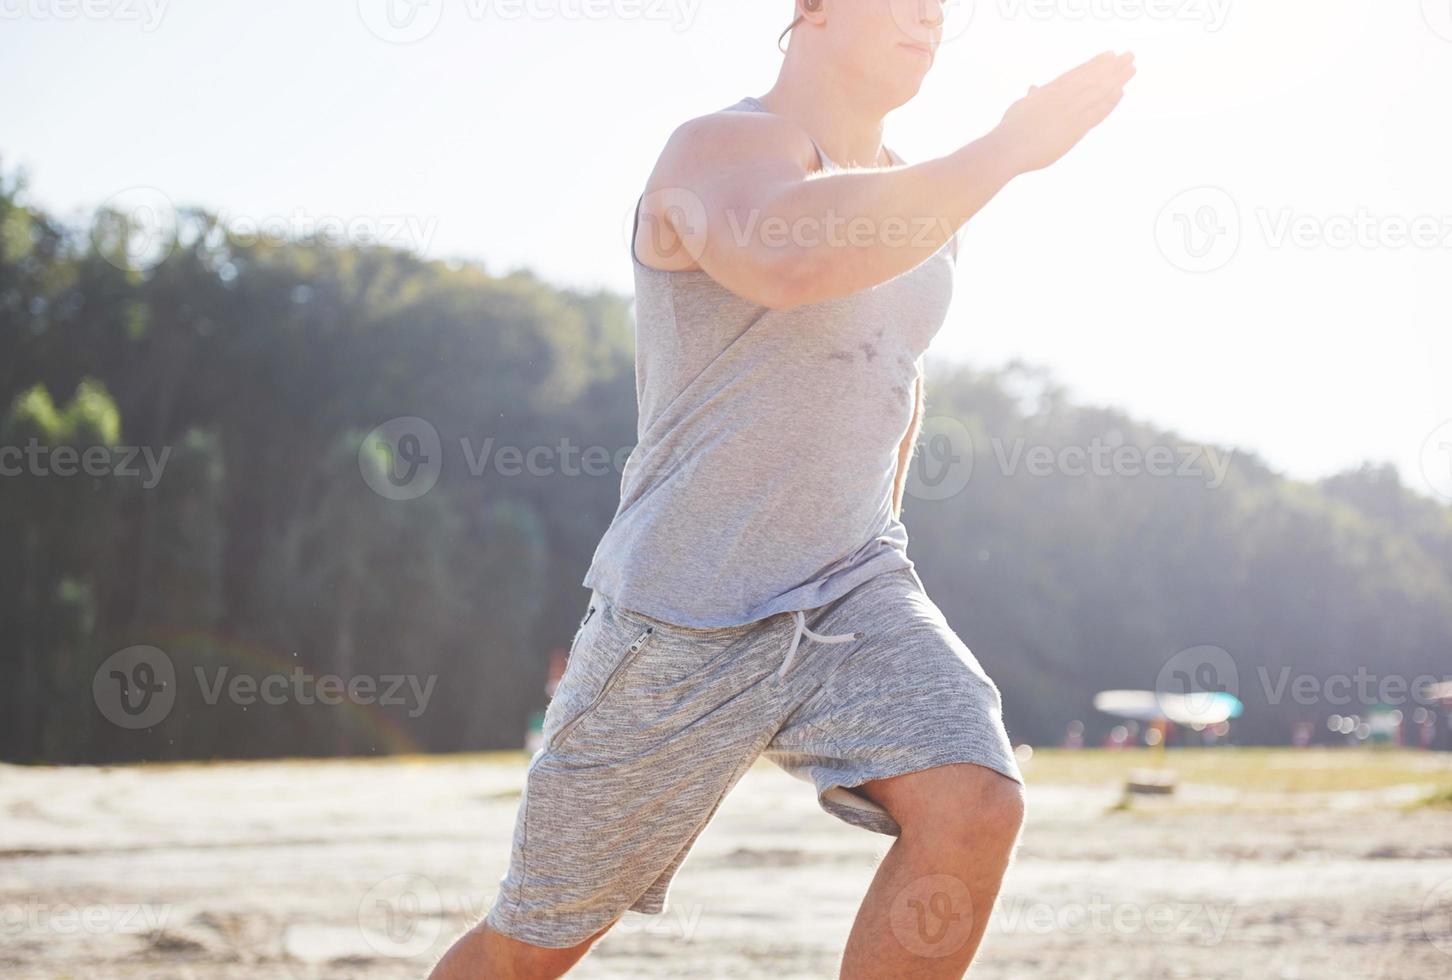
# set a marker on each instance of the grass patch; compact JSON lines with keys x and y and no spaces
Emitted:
{"x":1268,"y":770}
{"x":1440,"y":800}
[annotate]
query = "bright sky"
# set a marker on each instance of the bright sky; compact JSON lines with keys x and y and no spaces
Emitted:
{"x":520,"y":132}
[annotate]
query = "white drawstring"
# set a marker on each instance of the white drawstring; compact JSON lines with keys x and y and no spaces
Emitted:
{"x":801,"y":631}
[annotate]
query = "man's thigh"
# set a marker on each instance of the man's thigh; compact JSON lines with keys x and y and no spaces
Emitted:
{"x":911,"y":697}
{"x":650,"y":727}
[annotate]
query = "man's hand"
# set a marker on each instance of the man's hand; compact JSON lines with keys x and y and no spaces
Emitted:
{"x":1047,"y":123}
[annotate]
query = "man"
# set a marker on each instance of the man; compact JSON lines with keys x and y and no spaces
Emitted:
{"x":753,"y":594}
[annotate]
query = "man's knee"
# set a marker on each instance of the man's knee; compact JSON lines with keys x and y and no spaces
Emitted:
{"x":965,"y":808}
{"x":1001,"y":808}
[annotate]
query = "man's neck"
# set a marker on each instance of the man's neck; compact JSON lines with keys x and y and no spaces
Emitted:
{"x":847,"y":124}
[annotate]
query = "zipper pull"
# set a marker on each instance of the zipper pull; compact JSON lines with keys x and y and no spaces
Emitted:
{"x":640,"y":640}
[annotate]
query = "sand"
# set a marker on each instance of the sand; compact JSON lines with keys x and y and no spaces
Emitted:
{"x":366,"y":869}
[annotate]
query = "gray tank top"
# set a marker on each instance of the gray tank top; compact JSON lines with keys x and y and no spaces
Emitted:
{"x":767,"y":444}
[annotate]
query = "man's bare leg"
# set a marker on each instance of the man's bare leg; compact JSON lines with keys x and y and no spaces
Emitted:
{"x":929,"y":904}
{"x":483,"y":954}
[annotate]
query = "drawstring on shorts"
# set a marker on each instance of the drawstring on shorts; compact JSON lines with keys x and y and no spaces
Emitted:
{"x":802,"y":631}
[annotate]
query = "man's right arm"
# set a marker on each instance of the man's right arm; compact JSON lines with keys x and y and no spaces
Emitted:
{"x":733,"y":194}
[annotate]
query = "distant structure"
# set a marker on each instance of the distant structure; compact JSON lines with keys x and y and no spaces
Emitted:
{"x":534,"y":728}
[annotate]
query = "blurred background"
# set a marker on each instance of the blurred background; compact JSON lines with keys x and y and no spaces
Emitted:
{"x":317,"y":380}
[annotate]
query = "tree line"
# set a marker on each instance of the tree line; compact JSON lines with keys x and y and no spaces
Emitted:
{"x":217,"y":457}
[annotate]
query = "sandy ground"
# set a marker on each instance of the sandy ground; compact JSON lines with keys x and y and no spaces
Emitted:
{"x":366,"y":869}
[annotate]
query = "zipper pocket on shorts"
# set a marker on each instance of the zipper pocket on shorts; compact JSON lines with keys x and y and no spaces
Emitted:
{"x":635,"y":647}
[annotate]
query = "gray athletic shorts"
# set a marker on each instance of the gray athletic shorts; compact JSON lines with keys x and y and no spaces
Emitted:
{"x":653,"y":723}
